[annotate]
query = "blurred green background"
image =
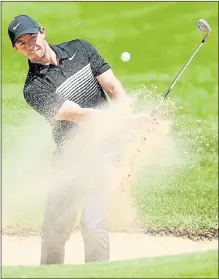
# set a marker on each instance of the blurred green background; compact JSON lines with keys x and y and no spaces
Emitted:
{"x":160,"y":37}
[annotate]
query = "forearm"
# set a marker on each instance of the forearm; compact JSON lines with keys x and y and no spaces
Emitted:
{"x":84,"y":115}
{"x":113,"y":87}
{"x":119,"y":96}
{"x":117,"y":92}
{"x":72,"y":112}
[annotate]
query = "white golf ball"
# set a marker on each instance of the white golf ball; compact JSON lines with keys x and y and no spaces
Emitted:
{"x":125,"y":56}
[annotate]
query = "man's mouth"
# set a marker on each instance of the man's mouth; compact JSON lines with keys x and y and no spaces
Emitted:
{"x":34,"y":51}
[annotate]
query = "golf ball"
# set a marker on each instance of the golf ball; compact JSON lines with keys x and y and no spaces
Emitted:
{"x":125,"y":56}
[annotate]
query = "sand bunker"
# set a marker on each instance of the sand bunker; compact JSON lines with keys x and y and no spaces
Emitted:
{"x":136,"y":144}
{"x":26,"y":250}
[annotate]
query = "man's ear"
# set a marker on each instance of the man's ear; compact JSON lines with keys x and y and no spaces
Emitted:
{"x":42,"y":30}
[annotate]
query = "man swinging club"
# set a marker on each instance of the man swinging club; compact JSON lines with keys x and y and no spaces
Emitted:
{"x":65,"y":84}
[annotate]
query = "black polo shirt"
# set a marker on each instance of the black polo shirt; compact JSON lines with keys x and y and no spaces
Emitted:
{"x":47,"y":87}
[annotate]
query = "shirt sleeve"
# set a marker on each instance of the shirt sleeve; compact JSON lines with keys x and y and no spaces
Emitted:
{"x":98,"y":64}
{"x":42,"y":99}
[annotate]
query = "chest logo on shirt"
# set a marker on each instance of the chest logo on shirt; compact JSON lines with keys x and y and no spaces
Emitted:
{"x":72,"y":57}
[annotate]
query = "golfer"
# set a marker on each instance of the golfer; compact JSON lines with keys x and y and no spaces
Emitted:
{"x":65,"y":84}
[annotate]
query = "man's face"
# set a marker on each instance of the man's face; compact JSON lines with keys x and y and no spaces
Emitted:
{"x":32,"y":46}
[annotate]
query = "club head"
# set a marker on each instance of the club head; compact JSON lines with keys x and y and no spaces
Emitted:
{"x":203,"y":26}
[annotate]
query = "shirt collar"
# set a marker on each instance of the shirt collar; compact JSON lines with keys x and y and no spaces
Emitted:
{"x":59,"y":51}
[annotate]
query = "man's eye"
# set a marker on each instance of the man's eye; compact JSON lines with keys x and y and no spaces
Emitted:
{"x":33,"y":39}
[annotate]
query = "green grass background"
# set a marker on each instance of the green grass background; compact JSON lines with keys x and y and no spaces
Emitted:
{"x":197,"y":265}
{"x":160,"y":36}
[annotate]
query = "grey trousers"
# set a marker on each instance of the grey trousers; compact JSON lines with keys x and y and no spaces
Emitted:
{"x":61,"y":212}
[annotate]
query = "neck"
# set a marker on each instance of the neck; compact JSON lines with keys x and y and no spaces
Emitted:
{"x":52,"y":58}
{"x":49,"y":57}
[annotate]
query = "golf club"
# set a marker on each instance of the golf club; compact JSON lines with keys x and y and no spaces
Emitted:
{"x":203,"y":26}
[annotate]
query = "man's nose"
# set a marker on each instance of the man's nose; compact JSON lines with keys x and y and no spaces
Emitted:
{"x":30,"y":44}
{"x":30,"y":47}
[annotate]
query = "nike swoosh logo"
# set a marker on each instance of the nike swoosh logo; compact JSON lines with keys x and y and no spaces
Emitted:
{"x":15,"y":27}
{"x":70,"y":58}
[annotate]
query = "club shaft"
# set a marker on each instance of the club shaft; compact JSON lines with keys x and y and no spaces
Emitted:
{"x":179,"y":75}
{"x":183,"y":69}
